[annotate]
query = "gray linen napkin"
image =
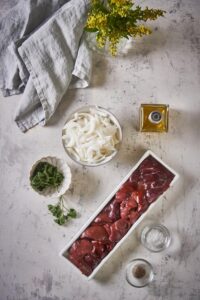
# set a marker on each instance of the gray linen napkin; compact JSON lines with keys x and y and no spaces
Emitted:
{"x":18,"y":18}
{"x":47,"y":61}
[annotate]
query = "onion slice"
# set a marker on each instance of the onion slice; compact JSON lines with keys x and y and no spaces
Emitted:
{"x":91,"y":136}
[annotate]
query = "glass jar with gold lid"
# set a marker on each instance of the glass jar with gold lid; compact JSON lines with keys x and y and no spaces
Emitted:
{"x":154,"y":117}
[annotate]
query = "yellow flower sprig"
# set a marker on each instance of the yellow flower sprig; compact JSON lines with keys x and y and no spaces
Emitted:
{"x":116,"y":19}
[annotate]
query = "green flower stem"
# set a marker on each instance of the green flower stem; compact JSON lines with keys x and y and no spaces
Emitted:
{"x":116,"y":19}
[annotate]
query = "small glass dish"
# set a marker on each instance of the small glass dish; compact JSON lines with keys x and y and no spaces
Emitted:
{"x":155,"y":237}
{"x":86,"y":109}
{"x":63,"y":168}
{"x":139,"y":273}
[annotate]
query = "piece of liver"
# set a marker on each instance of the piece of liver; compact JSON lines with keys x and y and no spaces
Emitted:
{"x":150,"y":180}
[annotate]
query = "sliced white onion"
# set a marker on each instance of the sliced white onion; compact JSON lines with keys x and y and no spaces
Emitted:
{"x":91,"y":136}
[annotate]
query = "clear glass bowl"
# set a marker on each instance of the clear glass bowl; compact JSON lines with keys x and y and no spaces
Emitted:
{"x":155,"y":237}
{"x":123,"y":46}
{"x":139,"y":273}
{"x":113,"y":119}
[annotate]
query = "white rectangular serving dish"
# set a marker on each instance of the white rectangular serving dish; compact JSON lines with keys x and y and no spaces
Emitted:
{"x":65,"y":249}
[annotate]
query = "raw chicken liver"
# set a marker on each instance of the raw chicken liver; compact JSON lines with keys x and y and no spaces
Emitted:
{"x":150,"y":180}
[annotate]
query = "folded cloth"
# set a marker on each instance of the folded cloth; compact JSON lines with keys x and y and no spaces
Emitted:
{"x":18,"y":18}
{"x":48,"y":60}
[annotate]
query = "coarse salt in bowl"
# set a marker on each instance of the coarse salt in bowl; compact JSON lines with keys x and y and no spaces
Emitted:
{"x":91,"y":136}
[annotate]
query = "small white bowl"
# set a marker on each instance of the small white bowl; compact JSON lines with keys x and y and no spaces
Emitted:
{"x":63,"y":168}
{"x":112,"y":118}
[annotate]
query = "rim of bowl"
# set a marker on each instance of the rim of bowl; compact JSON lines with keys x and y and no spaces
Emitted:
{"x":113,"y":118}
{"x":144,"y":261}
{"x":167,"y":232}
{"x":56,"y":193}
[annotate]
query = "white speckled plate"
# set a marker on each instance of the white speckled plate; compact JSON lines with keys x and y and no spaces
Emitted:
{"x":63,"y":168}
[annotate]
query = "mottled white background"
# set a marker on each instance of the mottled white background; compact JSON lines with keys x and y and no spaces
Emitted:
{"x":161,"y":68}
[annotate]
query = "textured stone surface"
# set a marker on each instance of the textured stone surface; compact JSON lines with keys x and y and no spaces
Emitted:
{"x":161,"y":68}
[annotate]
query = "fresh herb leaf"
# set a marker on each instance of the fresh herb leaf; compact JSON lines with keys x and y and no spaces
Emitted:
{"x":46,"y":175}
{"x":61,"y":220}
{"x":50,"y":207}
{"x":72,"y":213}
{"x":61,"y":213}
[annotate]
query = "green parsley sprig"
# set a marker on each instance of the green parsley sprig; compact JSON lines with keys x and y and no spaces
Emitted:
{"x":61,"y":213}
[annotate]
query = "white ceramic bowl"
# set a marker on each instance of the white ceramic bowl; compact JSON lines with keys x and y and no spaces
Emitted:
{"x":63,"y":168}
{"x":112,"y":118}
